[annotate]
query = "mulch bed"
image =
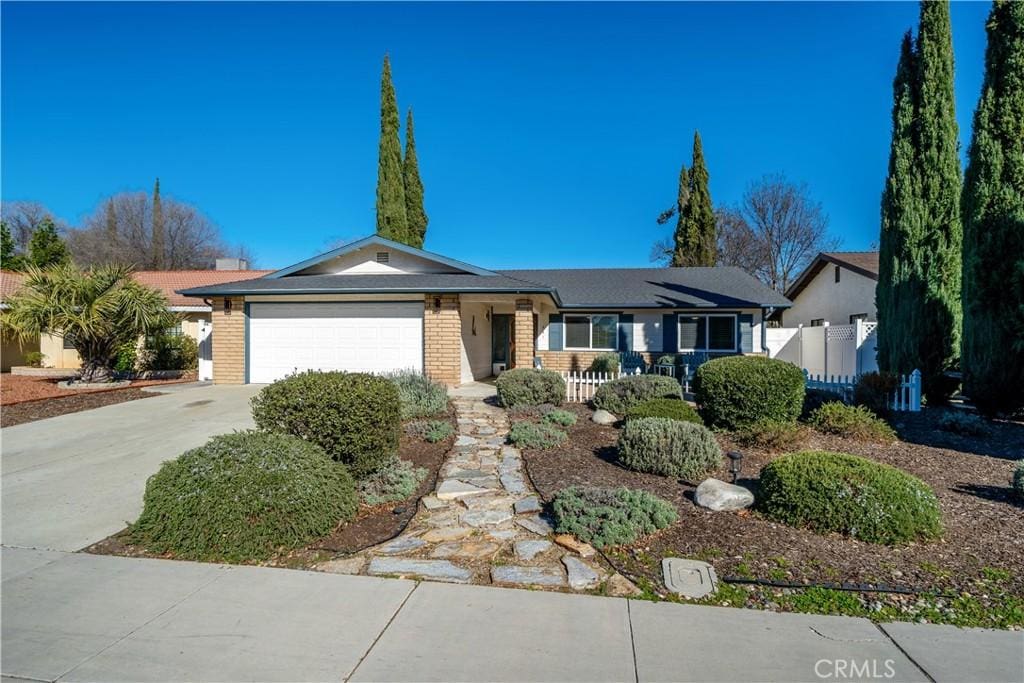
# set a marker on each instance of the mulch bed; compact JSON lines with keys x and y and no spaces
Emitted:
{"x":372,"y":525}
{"x":984,"y":526}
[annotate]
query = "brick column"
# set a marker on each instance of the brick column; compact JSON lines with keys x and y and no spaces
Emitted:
{"x":228,"y":341}
{"x":442,"y":338}
{"x":525,"y":336}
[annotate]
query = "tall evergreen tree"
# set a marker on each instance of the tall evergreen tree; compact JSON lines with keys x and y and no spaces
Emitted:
{"x":392,"y":222}
{"x":679,"y":244}
{"x":416,"y":214}
{"x":159,"y":247}
{"x":46,"y":248}
{"x":9,"y":258}
{"x":993,"y":220}
{"x":111,"y":221}
{"x":923,"y":302}
{"x":700,"y":215}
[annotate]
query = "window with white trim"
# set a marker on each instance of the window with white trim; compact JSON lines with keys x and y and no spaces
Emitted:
{"x":596,"y":331}
{"x":707,"y":332}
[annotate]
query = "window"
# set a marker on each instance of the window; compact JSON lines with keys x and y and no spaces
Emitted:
{"x":818,"y":322}
{"x":837,"y":273}
{"x":591,"y":331}
{"x":707,"y":332}
{"x":69,"y":342}
{"x":858,"y":316}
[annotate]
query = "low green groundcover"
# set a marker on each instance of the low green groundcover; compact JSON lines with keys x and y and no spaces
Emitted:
{"x":851,"y":495}
{"x":539,"y":435}
{"x":606,"y":517}
{"x":242,"y":497}
{"x":672,"y":408}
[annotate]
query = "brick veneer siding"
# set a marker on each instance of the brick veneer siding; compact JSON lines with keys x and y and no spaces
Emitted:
{"x":579,"y":361}
{"x":525,"y":335}
{"x":442,"y":339}
{"x":228,"y":342}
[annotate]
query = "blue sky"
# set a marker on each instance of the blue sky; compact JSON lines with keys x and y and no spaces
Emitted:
{"x":548,"y":134}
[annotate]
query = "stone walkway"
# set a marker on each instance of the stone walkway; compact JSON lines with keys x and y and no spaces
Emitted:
{"x":483,"y":524}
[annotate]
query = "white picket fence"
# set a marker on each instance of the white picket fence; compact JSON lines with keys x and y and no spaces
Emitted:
{"x":580,"y":387}
{"x":907,"y":396}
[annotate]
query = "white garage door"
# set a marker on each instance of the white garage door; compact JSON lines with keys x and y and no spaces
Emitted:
{"x":363,"y":337}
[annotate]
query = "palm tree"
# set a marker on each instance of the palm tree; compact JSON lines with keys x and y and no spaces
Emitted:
{"x":98,"y":310}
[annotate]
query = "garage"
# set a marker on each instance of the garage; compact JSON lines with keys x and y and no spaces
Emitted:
{"x":355,"y":337}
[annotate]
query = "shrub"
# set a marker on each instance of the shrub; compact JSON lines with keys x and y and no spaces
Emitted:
{"x":874,"y":390}
{"x":418,"y":395}
{"x":127,"y":357}
{"x":560,"y":417}
{"x":352,"y":416}
{"x":34,"y":359}
{"x":856,"y":422}
{"x":430,"y":430}
{"x":815,"y":398}
{"x":851,"y":495}
{"x":535,"y":435}
{"x":605,"y":362}
{"x":169,"y":352}
{"x":1018,"y":479}
{"x":739,"y":390}
{"x":243,"y":497}
{"x":604,"y":517}
{"x":529,"y":387}
{"x":621,"y":394}
{"x":667,"y":359}
{"x":672,"y":408}
{"x":772,"y":436}
{"x":396,"y":480}
{"x":959,"y":422}
{"x":671,"y":448}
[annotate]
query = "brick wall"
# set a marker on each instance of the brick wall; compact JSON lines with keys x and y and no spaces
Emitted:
{"x":525,"y":335}
{"x":579,"y":361}
{"x":229,"y":342}
{"x":442,"y":340}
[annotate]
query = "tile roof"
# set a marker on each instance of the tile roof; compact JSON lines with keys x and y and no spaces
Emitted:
{"x":10,"y":282}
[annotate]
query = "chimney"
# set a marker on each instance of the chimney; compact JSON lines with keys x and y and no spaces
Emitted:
{"x":232,"y":264}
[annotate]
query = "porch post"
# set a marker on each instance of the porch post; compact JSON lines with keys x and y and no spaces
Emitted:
{"x":525,"y":335}
{"x":442,"y":338}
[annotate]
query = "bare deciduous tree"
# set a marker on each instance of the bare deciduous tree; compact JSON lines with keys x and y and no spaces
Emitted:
{"x":22,"y":219}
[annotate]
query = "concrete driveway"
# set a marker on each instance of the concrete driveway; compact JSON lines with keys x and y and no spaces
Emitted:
{"x":72,"y":480}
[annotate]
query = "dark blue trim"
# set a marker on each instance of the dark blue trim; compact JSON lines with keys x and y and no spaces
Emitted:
{"x":670,"y":333}
{"x":625,"y":332}
{"x":245,"y":311}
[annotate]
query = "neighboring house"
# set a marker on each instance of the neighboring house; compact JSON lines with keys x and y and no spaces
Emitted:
{"x":377,"y":305}
{"x":12,"y":352}
{"x":60,"y":353}
{"x":837,"y":288}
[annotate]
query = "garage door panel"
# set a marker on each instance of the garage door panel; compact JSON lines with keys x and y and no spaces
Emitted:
{"x":355,"y":337}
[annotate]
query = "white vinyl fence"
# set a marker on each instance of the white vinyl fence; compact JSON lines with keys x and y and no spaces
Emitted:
{"x":907,"y":396}
{"x":580,"y":387}
{"x":828,"y":350}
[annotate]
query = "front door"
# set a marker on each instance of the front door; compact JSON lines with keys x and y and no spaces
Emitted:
{"x":503,"y":339}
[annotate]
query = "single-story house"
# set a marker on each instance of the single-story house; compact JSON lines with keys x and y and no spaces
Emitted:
{"x":837,"y":288}
{"x":195,"y":314}
{"x":376,"y":305}
{"x":12,"y":351}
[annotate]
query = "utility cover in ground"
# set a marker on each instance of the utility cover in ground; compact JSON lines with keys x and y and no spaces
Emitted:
{"x":689,"y":578}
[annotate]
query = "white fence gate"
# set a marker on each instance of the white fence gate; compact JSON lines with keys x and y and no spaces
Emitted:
{"x":205,"y":350}
{"x":907,"y":396}
{"x":580,"y":387}
{"x":826,"y":350}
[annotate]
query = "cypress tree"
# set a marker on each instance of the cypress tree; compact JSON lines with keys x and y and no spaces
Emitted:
{"x":700,"y":216}
{"x":111,"y":221}
{"x":921,"y":218}
{"x":993,"y":221}
{"x":680,"y":246}
{"x":416,"y":214}
{"x":46,"y":248}
{"x":158,"y":228}
{"x":9,"y":260}
{"x":392,"y":222}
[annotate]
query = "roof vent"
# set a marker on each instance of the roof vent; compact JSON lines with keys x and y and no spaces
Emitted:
{"x":383,"y":257}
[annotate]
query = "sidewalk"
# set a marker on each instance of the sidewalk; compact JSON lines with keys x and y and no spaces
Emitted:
{"x":77,"y":617}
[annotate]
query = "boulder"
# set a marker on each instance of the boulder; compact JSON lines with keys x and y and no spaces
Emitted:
{"x":717,"y":495}
{"x":603,"y":417}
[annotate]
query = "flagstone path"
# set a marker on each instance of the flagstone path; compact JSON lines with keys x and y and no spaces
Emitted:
{"x":483,"y":524}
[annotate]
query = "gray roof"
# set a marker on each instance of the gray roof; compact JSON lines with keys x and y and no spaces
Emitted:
{"x":721,"y":287}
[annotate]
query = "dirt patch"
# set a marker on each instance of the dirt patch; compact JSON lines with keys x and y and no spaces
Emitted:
{"x":984,"y":526}
{"x":30,"y":411}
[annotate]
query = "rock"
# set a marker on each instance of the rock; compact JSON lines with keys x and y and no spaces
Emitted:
{"x":433,"y":502}
{"x":689,"y":578}
{"x":465,"y":441}
{"x":489,"y":501}
{"x":402,"y":544}
{"x":447,"y":534}
{"x":486,"y":517}
{"x":717,"y":495}
{"x":514,"y":484}
{"x":527,"y":550}
{"x":469,"y":549}
{"x":620,"y":587}
{"x":450,"y":489}
{"x":581,"y":574}
{"x":527,"y":505}
{"x":572,"y":543}
{"x":486,"y":430}
{"x":536,"y":524}
{"x":603,"y":417}
{"x":510,"y":452}
{"x":438,"y":570}
{"x":527,"y":576}
{"x":346,"y":565}
{"x":502,"y":534}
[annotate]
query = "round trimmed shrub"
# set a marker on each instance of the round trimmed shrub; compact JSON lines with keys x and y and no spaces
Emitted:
{"x":737,"y":390}
{"x":659,"y":445}
{"x":605,"y":362}
{"x":243,"y":497}
{"x":541,"y":435}
{"x":1018,"y":479}
{"x":851,"y":495}
{"x":418,"y":395}
{"x":672,"y":408}
{"x":605,"y":517}
{"x":563,"y":418}
{"x":530,"y":387}
{"x":353,"y":416}
{"x":621,"y":394}
{"x":856,"y":422}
